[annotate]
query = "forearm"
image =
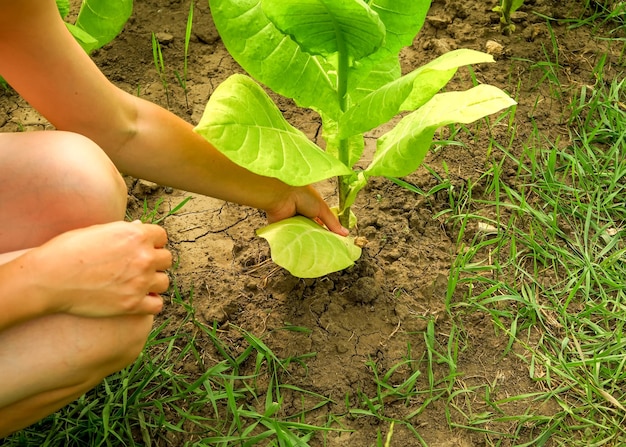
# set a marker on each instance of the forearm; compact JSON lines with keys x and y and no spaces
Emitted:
{"x":163,"y":148}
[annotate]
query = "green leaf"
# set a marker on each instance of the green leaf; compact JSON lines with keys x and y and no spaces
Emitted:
{"x":516,"y":4}
{"x":85,"y":39}
{"x":64,"y":7}
{"x":447,"y":64}
{"x":103,"y":20}
{"x":241,"y":120}
{"x":273,"y":58}
{"x":324,"y":27}
{"x":306,"y":249}
{"x":402,"y":150}
{"x":403,"y":19}
{"x":370,"y":73}
{"x":406,"y":93}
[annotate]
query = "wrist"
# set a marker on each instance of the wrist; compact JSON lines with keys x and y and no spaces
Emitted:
{"x":21,"y":294}
{"x":282,"y":202}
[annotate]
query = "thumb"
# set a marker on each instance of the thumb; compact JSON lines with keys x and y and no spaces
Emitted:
{"x":332,"y":223}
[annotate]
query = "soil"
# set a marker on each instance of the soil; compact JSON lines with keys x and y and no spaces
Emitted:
{"x":373,"y":313}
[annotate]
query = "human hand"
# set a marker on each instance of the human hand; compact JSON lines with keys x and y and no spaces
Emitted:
{"x":103,"y":270}
{"x":307,"y":202}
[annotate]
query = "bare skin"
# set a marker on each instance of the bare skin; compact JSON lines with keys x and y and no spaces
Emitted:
{"x":78,"y":286}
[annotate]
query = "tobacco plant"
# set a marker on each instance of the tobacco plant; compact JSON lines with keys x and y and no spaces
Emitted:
{"x":339,"y":58}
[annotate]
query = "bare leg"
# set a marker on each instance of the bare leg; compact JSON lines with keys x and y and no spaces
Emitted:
{"x":47,"y":363}
{"x":54,"y":182}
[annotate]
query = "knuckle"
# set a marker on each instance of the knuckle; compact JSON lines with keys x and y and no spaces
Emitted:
{"x":129,"y":304}
{"x":139,"y":285}
{"x":143,"y":261}
{"x":133,"y":237}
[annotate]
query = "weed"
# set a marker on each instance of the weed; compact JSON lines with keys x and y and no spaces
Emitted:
{"x":557,"y":267}
{"x":506,"y":8}
{"x":157,"y":57}
{"x":182,"y":80}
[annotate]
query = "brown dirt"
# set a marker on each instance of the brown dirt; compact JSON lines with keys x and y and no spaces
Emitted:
{"x":374,"y":311}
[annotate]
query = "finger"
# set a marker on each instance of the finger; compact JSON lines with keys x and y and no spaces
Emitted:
{"x":160,"y":283}
{"x":157,"y":234}
{"x":332,"y":223}
{"x":152,"y":304}
{"x":162,"y":259}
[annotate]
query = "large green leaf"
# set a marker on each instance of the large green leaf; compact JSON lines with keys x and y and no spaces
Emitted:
{"x":406,"y":93}
{"x":324,"y":27}
{"x":273,"y":58}
{"x":401,"y":151}
{"x":403,"y":20}
{"x":86,"y":40}
{"x":369,"y":74}
{"x":306,"y":249}
{"x":241,"y":120}
{"x":445,"y":63}
{"x":103,"y":20}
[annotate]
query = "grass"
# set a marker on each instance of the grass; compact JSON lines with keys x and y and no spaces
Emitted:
{"x":541,"y":254}
{"x":551,"y":277}
{"x":159,"y":65}
{"x":156,"y":396}
{"x":182,"y":79}
{"x":548,"y":271}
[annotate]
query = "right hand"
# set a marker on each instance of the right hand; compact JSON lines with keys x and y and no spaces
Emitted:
{"x":103,"y":270}
{"x":305,"y":201}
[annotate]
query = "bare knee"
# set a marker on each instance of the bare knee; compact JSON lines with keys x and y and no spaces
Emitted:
{"x":102,"y":188}
{"x":59,"y":181}
{"x":87,"y":176}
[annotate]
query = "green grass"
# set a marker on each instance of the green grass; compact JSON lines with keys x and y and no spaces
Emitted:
{"x":159,"y":65}
{"x":182,"y":79}
{"x":157,"y":399}
{"x":552,"y":275}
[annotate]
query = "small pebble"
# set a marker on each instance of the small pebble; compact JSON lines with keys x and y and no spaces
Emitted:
{"x":494,"y":48}
{"x":164,"y":38}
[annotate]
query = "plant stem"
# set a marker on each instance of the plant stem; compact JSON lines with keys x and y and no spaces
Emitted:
{"x":344,"y":149}
{"x":505,"y":20}
{"x":344,"y":189}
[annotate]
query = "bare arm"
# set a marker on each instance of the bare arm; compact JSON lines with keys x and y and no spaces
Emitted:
{"x":41,"y":60}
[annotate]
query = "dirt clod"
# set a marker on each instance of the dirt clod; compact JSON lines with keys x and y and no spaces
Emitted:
{"x":364,"y":291}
